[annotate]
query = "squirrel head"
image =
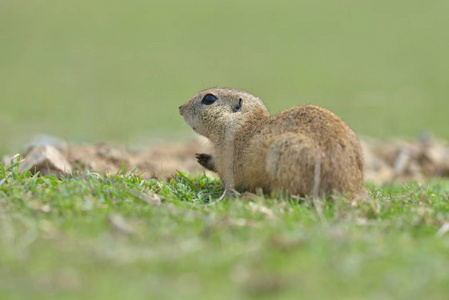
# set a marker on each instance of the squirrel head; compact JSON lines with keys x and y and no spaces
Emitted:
{"x":217,"y":112}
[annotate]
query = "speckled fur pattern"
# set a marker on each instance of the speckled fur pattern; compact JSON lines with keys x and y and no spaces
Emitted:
{"x":255,"y":150}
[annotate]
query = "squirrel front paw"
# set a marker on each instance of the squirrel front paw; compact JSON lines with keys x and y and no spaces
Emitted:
{"x":207,"y":161}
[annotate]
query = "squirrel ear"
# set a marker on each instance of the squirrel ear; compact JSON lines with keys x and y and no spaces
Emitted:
{"x":238,"y":106}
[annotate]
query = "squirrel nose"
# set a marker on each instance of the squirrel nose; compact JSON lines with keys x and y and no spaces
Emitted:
{"x":180,"y":110}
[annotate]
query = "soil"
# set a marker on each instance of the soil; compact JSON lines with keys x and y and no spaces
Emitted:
{"x":158,"y":161}
{"x":385,"y":161}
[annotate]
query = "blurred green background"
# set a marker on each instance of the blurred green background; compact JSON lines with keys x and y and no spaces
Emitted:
{"x":117,"y":71}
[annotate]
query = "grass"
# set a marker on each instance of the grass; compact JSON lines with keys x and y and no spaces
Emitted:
{"x":96,"y":236}
{"x":96,"y":71}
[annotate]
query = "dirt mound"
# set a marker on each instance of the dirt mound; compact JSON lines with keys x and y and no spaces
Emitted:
{"x":158,"y":161}
{"x":418,"y":160}
{"x":385,"y":161}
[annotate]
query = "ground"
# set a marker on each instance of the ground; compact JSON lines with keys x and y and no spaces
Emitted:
{"x":386,"y":161}
{"x":119,"y":236}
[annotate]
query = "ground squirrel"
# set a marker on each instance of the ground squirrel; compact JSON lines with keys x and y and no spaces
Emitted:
{"x":301,"y":151}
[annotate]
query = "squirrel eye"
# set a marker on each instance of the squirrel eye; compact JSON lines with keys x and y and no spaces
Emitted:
{"x":209,"y":99}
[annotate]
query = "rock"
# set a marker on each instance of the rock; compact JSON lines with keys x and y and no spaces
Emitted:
{"x":383,"y":175}
{"x":402,"y":161}
{"x":46,"y":160}
{"x":120,"y":224}
{"x":47,"y":140}
{"x":5,"y":160}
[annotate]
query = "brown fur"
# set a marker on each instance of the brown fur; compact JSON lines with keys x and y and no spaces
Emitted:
{"x":276,"y":153}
